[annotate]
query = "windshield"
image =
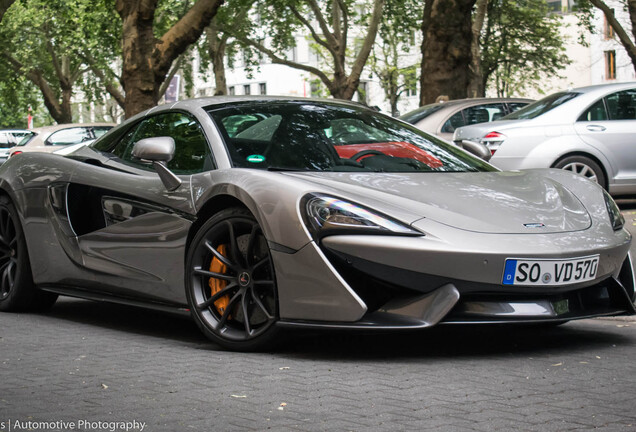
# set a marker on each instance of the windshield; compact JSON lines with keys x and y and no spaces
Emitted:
{"x":321,"y":136}
{"x":541,"y":106}
{"x":420,"y":113}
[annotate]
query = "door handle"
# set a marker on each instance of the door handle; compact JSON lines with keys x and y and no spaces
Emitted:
{"x":596,"y":128}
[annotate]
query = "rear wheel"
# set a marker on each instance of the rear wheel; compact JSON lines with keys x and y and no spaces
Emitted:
{"x":230,"y":282}
{"x":583,"y":166}
{"x":17,"y":291}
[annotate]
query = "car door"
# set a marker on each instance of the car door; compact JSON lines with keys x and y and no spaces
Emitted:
{"x":131,"y":231}
{"x":609,"y":125}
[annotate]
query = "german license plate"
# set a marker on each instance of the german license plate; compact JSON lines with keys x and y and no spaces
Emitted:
{"x":550,"y":272}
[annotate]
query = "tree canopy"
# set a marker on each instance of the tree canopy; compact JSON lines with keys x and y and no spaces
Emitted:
{"x":520,"y":45}
{"x":331,"y":25}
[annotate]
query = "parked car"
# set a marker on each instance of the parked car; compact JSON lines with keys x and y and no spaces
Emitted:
{"x":52,"y":138}
{"x":10,"y":138}
{"x":590,"y":131}
{"x":278,"y":224}
{"x":442,"y":118}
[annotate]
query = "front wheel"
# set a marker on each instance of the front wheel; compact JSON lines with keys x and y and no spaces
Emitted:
{"x":230,"y":282}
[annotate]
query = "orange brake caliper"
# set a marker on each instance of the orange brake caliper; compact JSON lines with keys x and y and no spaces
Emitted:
{"x":217,"y":285}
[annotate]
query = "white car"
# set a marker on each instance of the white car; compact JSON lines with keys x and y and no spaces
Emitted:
{"x":52,"y":138}
{"x":10,"y":138}
{"x":589,"y":130}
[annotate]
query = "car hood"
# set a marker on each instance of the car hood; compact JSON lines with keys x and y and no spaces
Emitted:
{"x":477,"y":131}
{"x":497,"y":202}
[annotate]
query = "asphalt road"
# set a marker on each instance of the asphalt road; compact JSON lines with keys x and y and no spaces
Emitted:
{"x":100,"y":367}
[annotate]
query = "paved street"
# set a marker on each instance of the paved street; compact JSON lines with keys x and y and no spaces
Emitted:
{"x":86,"y":363}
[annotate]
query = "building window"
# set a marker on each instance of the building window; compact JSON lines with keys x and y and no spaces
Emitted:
{"x":291,"y":54}
{"x":247,"y":89}
{"x":608,"y":30}
{"x":262,"y":88}
{"x":610,"y":65}
{"x":231,"y":90}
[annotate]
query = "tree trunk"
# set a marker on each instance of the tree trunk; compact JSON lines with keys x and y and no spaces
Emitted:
{"x":446,"y":49}
{"x":475,"y":85}
{"x":147,"y":60}
{"x":138,"y":43}
{"x":4,"y":5}
{"x":216,"y":50}
{"x":394,"y":96}
{"x":631,"y":8}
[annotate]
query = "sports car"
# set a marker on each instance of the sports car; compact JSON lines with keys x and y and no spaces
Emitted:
{"x":252,"y":215}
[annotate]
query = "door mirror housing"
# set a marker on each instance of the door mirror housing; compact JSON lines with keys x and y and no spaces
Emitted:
{"x":159,"y":151}
{"x":478,"y":149}
{"x":155,"y":149}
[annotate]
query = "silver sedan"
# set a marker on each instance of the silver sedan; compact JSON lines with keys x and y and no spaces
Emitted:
{"x":442,"y":118}
{"x":590,"y":131}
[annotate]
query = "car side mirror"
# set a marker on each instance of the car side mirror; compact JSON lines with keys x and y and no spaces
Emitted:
{"x":159,"y":151}
{"x":478,"y":149}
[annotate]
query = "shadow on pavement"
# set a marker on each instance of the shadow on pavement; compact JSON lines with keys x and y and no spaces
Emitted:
{"x":454,"y":341}
{"x":438,"y":342}
{"x":626,"y":203}
{"x":127,"y":319}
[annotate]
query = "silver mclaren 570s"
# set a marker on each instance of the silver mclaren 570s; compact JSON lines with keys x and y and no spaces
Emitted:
{"x":259,"y":214}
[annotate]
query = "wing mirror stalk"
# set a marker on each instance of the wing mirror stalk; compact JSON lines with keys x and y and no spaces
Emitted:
{"x":159,"y":151}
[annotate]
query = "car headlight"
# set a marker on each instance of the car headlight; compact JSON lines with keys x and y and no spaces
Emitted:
{"x":325,"y":215}
{"x":616,"y":218}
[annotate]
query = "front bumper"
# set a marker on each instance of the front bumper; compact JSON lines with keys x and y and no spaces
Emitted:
{"x":404,"y":282}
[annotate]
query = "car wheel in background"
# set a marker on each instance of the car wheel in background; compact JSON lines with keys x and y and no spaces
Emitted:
{"x":230,"y":282}
{"x":17,"y":291}
{"x":583,"y":166}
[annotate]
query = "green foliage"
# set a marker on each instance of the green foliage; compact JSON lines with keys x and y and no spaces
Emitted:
{"x":400,"y":21}
{"x":15,"y":99}
{"x":520,"y":45}
{"x":51,"y":36}
{"x":337,"y":31}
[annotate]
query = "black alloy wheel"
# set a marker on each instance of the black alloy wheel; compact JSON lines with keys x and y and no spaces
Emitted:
{"x":8,"y":253}
{"x":230,"y":282}
{"x":17,"y":291}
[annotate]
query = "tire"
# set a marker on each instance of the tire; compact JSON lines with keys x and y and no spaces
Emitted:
{"x":230,"y":282}
{"x":583,"y":166}
{"x":17,"y":291}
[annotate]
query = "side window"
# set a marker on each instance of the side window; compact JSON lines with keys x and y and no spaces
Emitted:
{"x":100,"y":130}
{"x":514,"y":106}
{"x":622,"y":105}
{"x":596,"y":112}
{"x":456,"y":120}
{"x":483,"y":113}
{"x":69,"y":136}
{"x":192,"y":152}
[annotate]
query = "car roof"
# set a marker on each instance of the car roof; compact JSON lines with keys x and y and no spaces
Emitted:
{"x":210,"y":101}
{"x":53,"y":128}
{"x":15,"y":130}
{"x":603,"y":87}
